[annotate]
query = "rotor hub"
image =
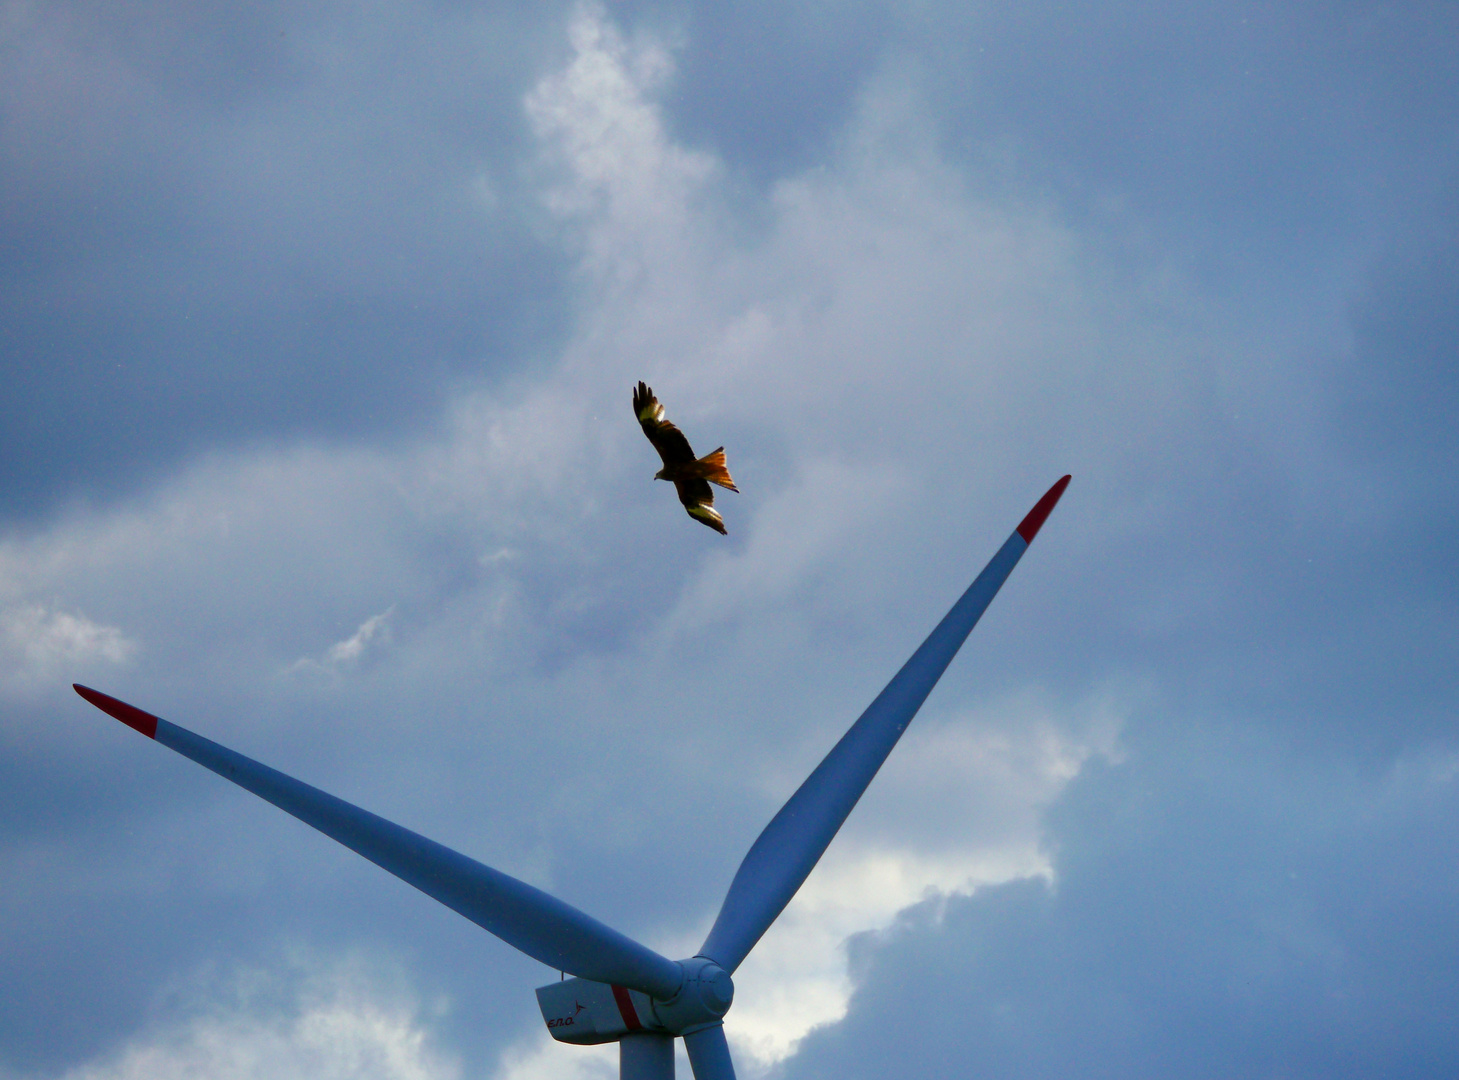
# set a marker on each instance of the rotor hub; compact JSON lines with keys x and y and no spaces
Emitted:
{"x":703,"y":998}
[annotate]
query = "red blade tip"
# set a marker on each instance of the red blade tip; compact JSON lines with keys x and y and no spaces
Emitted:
{"x":130,"y":715}
{"x":1029,"y":527}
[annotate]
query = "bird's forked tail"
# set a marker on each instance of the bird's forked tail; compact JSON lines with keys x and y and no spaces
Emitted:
{"x":712,"y":467}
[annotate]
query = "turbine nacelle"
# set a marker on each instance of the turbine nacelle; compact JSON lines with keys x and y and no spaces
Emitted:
{"x":585,"y":1012}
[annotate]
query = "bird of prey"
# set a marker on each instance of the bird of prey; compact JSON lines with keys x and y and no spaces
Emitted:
{"x":690,"y":476}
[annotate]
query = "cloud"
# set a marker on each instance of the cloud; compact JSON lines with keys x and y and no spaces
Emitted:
{"x":242,"y":225}
{"x":590,"y":639}
{"x":623,"y":172}
{"x":299,"y":1019}
{"x":38,"y":643}
{"x":535,"y":1060}
{"x":589,"y":691}
{"x":373,"y":633}
{"x":986,"y":781}
{"x":356,"y":643}
{"x":1219,"y":908}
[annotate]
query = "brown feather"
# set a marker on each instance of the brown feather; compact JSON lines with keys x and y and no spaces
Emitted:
{"x":691,"y":477}
{"x":668,"y":440}
{"x":694,"y":490}
{"x":713,"y":468}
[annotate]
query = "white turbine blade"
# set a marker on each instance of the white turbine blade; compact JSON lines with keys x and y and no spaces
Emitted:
{"x":791,"y":845}
{"x":525,"y":917}
{"x":709,"y":1054}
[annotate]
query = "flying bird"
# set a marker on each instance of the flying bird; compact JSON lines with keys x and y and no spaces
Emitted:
{"x":690,"y":476}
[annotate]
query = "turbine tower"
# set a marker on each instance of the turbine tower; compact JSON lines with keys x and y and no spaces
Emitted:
{"x":622,"y":991}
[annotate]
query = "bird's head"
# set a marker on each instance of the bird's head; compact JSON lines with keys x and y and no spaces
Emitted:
{"x":662,"y":474}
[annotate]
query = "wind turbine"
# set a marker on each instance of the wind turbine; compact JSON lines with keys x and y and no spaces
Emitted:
{"x":622,"y":991}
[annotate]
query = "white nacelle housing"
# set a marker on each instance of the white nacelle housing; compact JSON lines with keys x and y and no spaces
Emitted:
{"x":582,"y":1011}
{"x":585,"y":1012}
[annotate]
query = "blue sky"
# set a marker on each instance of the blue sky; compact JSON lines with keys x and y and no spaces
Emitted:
{"x":320,"y":329}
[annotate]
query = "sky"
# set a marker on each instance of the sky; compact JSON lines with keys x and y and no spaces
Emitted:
{"x":319,"y":326}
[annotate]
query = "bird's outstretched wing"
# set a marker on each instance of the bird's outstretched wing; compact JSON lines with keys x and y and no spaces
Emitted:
{"x":668,"y":440}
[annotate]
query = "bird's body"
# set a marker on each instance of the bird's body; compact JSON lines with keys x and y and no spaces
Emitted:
{"x":690,"y":476}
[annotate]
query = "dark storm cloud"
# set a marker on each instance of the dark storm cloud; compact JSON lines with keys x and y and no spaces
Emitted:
{"x":1253,"y":133}
{"x":1223,"y":907}
{"x":224,"y":227}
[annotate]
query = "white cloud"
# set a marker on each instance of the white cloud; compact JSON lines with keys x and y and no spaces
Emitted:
{"x":538,"y":1059}
{"x":351,"y":648}
{"x":798,"y":531}
{"x":957,"y":807}
{"x":622,"y":173}
{"x":338,"y":1022}
{"x":39,"y":643}
{"x":371,"y":634}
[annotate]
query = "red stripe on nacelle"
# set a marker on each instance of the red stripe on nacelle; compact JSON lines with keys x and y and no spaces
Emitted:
{"x":1028,"y":528}
{"x":130,"y":715}
{"x":626,"y":1009}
